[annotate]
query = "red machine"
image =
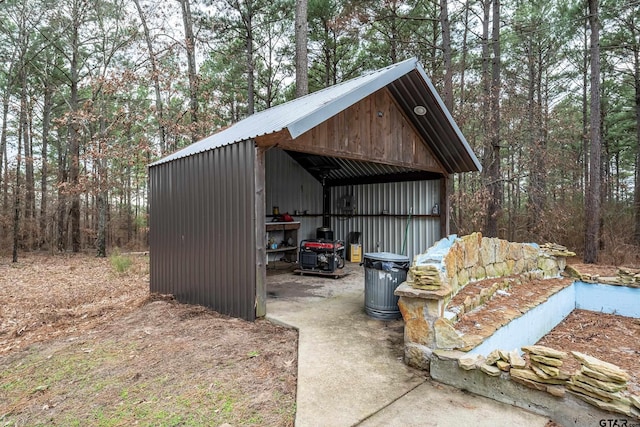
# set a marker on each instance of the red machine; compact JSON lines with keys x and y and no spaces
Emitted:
{"x":320,"y":255}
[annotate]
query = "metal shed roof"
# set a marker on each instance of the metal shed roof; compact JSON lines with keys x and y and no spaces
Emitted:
{"x":406,"y":80}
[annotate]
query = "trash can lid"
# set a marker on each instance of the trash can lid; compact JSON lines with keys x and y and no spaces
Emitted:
{"x":386,"y":256}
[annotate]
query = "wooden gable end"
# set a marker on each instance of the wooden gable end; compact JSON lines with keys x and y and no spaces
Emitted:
{"x":374,"y":129}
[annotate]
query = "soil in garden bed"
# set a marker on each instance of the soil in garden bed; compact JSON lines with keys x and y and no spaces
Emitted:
{"x":609,"y":337}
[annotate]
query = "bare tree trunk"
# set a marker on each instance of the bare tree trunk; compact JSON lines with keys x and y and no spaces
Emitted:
{"x":74,"y":137}
{"x":155,"y":76}
{"x":129,"y":209}
{"x":465,"y":52}
{"x":513,"y":195}
{"x":101,"y":202}
{"x":302,"y":60}
{"x":5,"y":182}
{"x":393,"y":35}
{"x":489,"y":166}
{"x":495,"y":198}
{"x":592,"y":208}
{"x":446,"y":55}
{"x":29,"y":180}
{"x":537,"y":142}
{"x":46,"y":123}
{"x":22,"y":135}
{"x":636,"y":80}
{"x":190,"y":43}
{"x":250,"y":61}
{"x":585,"y":110}
{"x":4,"y":161}
{"x":463,"y":66}
{"x":448,"y":92}
{"x":16,"y":200}
{"x":637,"y":184}
{"x":3,"y":149}
{"x":61,"y":238}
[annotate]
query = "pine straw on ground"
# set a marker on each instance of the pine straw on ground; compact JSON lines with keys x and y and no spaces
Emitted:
{"x":45,"y":296}
{"x":608,"y":337}
{"x":83,"y":345}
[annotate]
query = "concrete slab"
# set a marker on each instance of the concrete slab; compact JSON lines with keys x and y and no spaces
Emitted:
{"x":350,"y":368}
{"x":435,"y":404}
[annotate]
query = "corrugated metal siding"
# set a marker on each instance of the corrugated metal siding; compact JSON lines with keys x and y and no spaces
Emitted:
{"x":386,"y":232}
{"x":290,"y":187}
{"x":202,"y":240}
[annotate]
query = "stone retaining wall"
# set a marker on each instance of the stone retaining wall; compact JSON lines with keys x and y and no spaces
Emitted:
{"x":453,"y":262}
{"x":569,"y":409}
{"x":431,"y":341}
{"x":438,"y":274}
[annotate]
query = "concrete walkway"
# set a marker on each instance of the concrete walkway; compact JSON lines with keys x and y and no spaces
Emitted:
{"x":350,"y":368}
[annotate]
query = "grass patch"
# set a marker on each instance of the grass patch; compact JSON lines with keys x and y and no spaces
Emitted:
{"x":76,"y":372}
{"x":120,"y":263}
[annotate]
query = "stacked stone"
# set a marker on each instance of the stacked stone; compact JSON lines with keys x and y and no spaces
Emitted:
{"x":544,"y":371}
{"x":601,"y":384}
{"x":472,"y":302}
{"x":453,"y":262}
{"x":557,"y":250}
{"x":544,"y":361}
{"x":629,"y":277}
{"x":424,"y":276}
{"x":496,"y":362}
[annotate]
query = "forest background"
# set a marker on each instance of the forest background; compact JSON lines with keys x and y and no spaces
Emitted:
{"x":547,"y":92}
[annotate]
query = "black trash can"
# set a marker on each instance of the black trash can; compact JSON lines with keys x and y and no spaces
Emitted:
{"x":383,"y":273}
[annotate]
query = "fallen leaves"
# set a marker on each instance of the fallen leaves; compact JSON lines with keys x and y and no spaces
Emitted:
{"x":46,"y":296}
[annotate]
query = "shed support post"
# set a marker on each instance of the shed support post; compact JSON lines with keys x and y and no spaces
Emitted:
{"x":260,"y":230}
{"x":326,"y":206}
{"x":444,"y":206}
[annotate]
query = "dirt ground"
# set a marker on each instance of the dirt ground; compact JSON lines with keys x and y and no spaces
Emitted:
{"x":83,"y":345}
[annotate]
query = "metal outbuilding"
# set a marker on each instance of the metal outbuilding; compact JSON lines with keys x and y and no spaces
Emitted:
{"x":366,"y":139}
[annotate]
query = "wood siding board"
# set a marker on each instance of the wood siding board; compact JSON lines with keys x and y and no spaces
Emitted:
{"x":362,"y":158}
{"x":390,"y":139}
{"x":420,"y":148}
{"x":359,"y":123}
{"x":272,"y":139}
{"x":335,"y":130}
{"x":366,"y":120}
{"x":430,"y":124}
{"x":378,"y":144}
